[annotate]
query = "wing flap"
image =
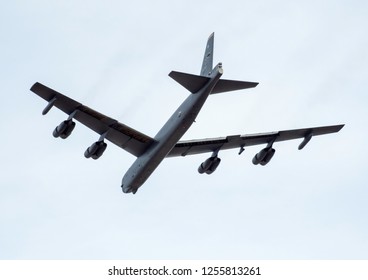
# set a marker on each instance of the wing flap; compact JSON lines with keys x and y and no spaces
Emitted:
{"x":120,"y":134}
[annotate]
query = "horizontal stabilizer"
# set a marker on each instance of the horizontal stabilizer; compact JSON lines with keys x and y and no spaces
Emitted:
{"x":191,"y":82}
{"x":230,"y":85}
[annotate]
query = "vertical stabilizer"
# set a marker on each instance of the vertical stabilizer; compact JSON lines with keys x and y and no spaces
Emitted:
{"x":208,"y":57}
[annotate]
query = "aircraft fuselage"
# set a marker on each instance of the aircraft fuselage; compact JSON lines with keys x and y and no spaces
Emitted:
{"x":169,"y":135}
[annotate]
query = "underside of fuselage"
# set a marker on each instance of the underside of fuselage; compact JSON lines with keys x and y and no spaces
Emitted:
{"x":169,"y":135}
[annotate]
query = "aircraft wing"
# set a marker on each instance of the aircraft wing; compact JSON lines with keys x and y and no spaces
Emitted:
{"x":121,"y":135}
{"x":192,"y":147}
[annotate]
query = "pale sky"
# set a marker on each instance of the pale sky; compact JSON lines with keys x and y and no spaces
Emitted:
{"x":310,"y":58}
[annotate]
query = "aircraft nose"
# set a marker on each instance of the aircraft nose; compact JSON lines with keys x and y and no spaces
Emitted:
{"x":125,"y":189}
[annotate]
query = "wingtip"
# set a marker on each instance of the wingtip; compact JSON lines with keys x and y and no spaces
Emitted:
{"x":34,"y":86}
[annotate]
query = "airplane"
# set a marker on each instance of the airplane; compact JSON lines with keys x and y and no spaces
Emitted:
{"x":150,"y":152}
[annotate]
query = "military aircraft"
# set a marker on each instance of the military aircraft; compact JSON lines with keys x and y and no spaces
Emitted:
{"x":151,"y":151}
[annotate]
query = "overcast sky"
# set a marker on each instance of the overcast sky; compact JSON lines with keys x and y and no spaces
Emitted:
{"x":310,"y":58}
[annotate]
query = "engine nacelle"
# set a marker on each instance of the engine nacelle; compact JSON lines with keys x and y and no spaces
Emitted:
{"x":95,"y":150}
{"x":209,"y":165}
{"x":213,"y":167}
{"x":264,"y":156}
{"x":260,"y":156}
{"x":268,"y":157}
{"x":205,"y":165}
{"x":64,"y":129}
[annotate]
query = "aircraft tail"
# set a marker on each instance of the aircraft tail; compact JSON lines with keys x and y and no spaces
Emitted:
{"x":207,"y":63}
{"x":194,"y":83}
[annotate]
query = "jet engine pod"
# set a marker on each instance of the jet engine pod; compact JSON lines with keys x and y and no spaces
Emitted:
{"x":214,"y":165}
{"x":64,"y":129}
{"x":268,"y":157}
{"x":264,"y":156}
{"x":209,"y":165}
{"x":95,"y":150}
{"x":205,"y":165}
{"x":258,"y":158}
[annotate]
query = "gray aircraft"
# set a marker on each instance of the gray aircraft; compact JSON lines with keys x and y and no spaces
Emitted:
{"x":151,"y":151}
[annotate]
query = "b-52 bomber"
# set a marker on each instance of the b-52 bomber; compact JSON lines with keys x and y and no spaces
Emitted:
{"x":151,"y":151}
